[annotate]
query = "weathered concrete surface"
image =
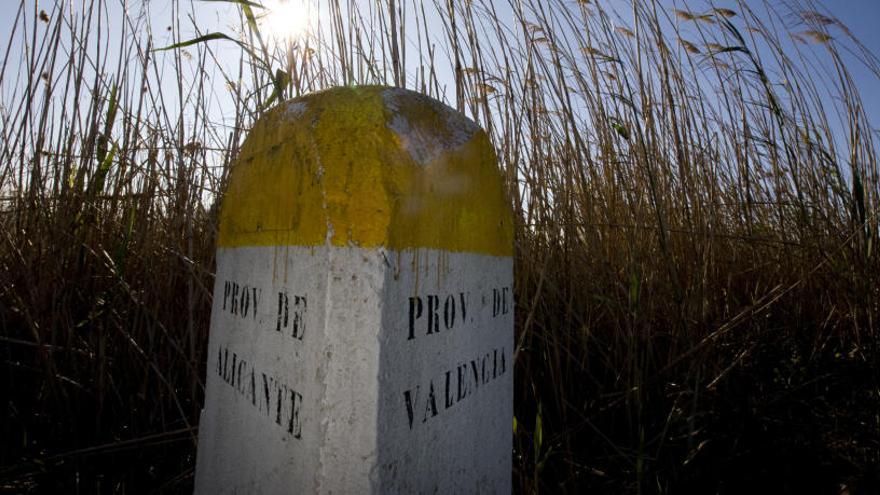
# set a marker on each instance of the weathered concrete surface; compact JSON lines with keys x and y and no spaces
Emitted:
{"x":362,"y":329}
{"x":446,"y":387}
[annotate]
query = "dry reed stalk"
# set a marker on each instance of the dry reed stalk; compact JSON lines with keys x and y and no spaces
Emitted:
{"x":696,"y":237}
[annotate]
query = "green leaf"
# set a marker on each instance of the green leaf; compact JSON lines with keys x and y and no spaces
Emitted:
{"x":71,"y":177}
{"x":634,"y":284}
{"x":111,"y":110}
{"x":621,"y":129}
{"x":539,"y":433}
{"x":104,"y":138}
{"x":103,"y":169}
{"x":251,"y":18}
{"x":243,"y":3}
{"x":211,"y":37}
{"x":280,"y":81}
{"x":248,"y":13}
{"x":200,"y":39}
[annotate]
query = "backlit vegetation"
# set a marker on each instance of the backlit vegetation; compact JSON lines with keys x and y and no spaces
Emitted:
{"x":697,"y":197}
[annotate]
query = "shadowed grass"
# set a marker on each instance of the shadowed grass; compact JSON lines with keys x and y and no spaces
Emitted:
{"x":697,"y":199}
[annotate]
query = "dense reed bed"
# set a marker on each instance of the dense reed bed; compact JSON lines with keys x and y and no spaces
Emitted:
{"x":697,"y":200}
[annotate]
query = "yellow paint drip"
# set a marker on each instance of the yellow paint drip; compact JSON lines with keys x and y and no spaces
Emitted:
{"x":369,"y":167}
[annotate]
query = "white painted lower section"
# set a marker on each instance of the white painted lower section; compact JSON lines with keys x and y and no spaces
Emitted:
{"x":385,"y":372}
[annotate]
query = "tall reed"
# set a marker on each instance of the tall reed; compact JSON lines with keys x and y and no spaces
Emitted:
{"x":697,"y":204}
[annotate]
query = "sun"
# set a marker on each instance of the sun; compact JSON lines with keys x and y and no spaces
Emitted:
{"x":285,"y":20}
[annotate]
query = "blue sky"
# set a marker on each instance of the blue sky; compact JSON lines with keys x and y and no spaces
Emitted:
{"x":860,"y":16}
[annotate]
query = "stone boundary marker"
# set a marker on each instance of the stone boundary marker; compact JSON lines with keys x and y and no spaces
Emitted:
{"x":362,"y":329}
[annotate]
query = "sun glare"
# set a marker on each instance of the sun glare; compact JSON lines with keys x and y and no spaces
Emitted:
{"x":286,"y":20}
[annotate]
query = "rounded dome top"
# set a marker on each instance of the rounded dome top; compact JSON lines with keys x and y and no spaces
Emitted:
{"x":367,"y":166}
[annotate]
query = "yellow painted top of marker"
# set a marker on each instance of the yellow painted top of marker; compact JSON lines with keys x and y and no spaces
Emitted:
{"x":367,"y":166}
